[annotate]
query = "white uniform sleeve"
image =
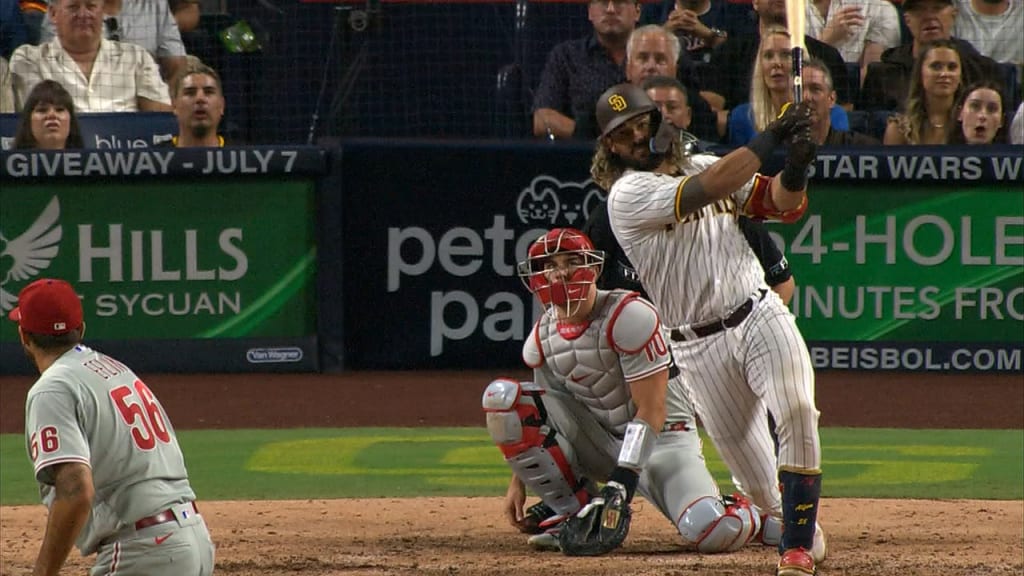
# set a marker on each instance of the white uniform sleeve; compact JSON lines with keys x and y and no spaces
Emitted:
{"x":533,"y":355}
{"x":53,"y":433}
{"x":635,"y":331}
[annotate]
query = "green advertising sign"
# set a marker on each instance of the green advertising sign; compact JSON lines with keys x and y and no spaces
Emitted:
{"x":913,"y":264}
{"x":167,"y":259}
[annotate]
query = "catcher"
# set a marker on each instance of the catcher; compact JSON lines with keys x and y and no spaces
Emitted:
{"x":606,"y":406}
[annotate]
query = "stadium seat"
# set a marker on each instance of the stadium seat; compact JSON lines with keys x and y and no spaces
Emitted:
{"x":1011,"y":81}
{"x":860,"y":121}
{"x":877,"y":122}
{"x":511,"y":106}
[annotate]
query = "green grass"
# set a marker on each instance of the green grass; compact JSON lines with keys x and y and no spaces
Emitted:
{"x":405,"y":462}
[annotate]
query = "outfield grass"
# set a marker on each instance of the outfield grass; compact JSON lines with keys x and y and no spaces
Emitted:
{"x":405,"y":462}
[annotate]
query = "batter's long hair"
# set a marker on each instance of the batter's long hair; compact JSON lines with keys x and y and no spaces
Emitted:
{"x":47,"y":92}
{"x":606,"y":168}
{"x":916,"y":113}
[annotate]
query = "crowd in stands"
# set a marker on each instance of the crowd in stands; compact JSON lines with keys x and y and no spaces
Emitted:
{"x":60,"y":58}
{"x":950,"y":74}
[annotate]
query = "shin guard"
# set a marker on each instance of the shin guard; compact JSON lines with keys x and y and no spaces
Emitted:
{"x":800,"y":495}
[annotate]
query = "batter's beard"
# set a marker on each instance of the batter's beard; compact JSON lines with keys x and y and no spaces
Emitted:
{"x":647,"y":164}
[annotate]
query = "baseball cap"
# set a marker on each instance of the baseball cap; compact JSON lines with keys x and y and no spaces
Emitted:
{"x":48,"y":306}
{"x":911,"y":4}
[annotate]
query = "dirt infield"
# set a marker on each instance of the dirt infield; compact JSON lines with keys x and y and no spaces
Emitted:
{"x":467,"y":537}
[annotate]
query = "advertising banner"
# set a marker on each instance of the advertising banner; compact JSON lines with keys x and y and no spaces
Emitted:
{"x":111,"y":130}
{"x":171,"y":260}
{"x":924,"y":277}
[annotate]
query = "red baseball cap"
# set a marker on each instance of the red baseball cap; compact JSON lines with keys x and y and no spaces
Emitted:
{"x":48,"y":306}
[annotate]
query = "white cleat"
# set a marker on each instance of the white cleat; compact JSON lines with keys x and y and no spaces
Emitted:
{"x":819,"y":549}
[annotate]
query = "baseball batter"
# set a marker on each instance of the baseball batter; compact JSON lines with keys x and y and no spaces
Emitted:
{"x":606,"y":404}
{"x":737,"y":344}
{"x":104,"y":452}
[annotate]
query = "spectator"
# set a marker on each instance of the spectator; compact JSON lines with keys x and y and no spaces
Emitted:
{"x":199,"y":106}
{"x":820,"y":94}
{"x":578,"y":71}
{"x":147,"y":23}
{"x":733,"y":61}
{"x":6,"y":90}
{"x":887,"y":82}
{"x":13,"y":32}
{"x":701,"y":25}
{"x":654,"y":51}
{"x":980,"y":114}
{"x":771,"y":86}
{"x":859,"y":29}
{"x":935,"y":86}
{"x":1017,"y":126}
{"x":994,"y":27}
{"x":187,"y":14}
{"x":33,"y":13}
{"x":101,"y":75}
{"x":48,"y":120}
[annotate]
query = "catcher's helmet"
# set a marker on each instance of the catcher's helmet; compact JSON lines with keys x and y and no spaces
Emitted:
{"x":565,"y":289}
{"x":623,"y":102}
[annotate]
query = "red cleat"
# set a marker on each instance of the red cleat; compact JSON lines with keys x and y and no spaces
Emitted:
{"x":796,"y":562}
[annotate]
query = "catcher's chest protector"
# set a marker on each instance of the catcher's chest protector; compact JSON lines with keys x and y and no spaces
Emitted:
{"x":590,"y":366}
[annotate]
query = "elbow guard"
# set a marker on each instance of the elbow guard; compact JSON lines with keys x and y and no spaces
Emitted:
{"x":759,"y":205}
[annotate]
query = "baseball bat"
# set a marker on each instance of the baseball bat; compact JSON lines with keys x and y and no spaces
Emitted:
{"x":796,"y":21}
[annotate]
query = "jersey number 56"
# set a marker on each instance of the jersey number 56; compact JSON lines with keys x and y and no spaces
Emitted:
{"x":139,"y":410}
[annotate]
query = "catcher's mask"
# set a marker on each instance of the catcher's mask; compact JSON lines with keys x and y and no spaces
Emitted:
{"x":623,"y":102}
{"x":562,"y":282}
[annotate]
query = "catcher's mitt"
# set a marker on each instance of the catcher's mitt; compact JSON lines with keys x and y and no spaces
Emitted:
{"x":600,"y":526}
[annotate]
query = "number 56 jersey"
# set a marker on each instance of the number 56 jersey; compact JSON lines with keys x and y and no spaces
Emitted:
{"x":92,"y":409}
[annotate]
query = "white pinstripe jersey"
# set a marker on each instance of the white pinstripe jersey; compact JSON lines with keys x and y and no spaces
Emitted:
{"x":623,"y":342}
{"x":89,"y":408}
{"x":695,"y":270}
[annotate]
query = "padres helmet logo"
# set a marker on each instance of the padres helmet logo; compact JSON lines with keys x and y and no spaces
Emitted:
{"x":617,"y":102}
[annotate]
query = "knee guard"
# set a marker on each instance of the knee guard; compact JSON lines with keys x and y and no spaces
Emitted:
{"x":539,"y":456}
{"x":716,"y":526}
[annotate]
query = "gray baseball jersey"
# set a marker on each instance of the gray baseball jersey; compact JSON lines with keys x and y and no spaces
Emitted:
{"x":699,"y":269}
{"x":90,"y":408}
{"x":588,"y":400}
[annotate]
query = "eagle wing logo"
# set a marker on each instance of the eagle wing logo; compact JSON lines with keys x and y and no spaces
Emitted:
{"x":30,"y":253}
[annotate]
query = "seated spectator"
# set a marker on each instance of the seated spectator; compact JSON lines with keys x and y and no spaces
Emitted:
{"x":859,"y":29}
{"x":994,"y":27}
{"x":887,"y":82}
{"x":771,"y":86}
{"x":147,"y":23}
{"x":818,"y":92}
{"x":701,"y":25}
{"x":13,"y":32}
{"x":935,"y":87}
{"x":187,"y":14}
{"x":670,"y":96}
{"x":980,"y":115}
{"x":199,"y":106}
{"x":33,"y":12}
{"x":48,"y":120}
{"x":654,"y":51}
{"x":6,"y":90}
{"x":578,"y":71}
{"x":1017,"y":126}
{"x":733,"y":61}
{"x":101,"y":75}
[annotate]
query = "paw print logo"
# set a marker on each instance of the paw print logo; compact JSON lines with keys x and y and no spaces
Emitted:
{"x":548,"y":201}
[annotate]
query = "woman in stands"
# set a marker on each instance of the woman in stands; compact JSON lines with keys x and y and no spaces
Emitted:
{"x":48,"y":120}
{"x":929,"y":115}
{"x":771,"y":86}
{"x":980,"y":114}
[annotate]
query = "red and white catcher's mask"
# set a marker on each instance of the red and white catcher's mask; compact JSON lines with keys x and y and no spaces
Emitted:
{"x":563,"y":282}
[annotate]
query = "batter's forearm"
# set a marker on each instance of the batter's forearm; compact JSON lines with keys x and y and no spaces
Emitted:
{"x":719,"y":181}
{"x":785,"y":199}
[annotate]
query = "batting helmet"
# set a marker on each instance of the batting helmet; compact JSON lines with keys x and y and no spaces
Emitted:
{"x":623,"y":102}
{"x":568,"y":288}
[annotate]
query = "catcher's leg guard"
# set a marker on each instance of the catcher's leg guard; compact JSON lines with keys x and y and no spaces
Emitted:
{"x":714,"y":525}
{"x":536,"y":452}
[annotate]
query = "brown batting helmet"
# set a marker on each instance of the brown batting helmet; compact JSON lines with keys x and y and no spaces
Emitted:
{"x":620,"y":103}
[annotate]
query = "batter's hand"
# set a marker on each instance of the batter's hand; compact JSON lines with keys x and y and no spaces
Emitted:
{"x":515,"y":499}
{"x":802,"y":149}
{"x":792,"y":121}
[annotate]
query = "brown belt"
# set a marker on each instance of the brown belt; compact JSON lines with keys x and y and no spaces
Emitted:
{"x":165,"y":516}
{"x":731,"y":321}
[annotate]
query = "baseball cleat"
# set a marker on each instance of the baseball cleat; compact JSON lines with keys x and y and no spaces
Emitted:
{"x":796,"y":562}
{"x":819,"y":549}
{"x":544,"y":542}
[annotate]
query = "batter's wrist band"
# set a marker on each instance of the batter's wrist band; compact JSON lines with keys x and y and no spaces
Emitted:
{"x":627,"y":478}
{"x":763,"y":145}
{"x":794,"y":178}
